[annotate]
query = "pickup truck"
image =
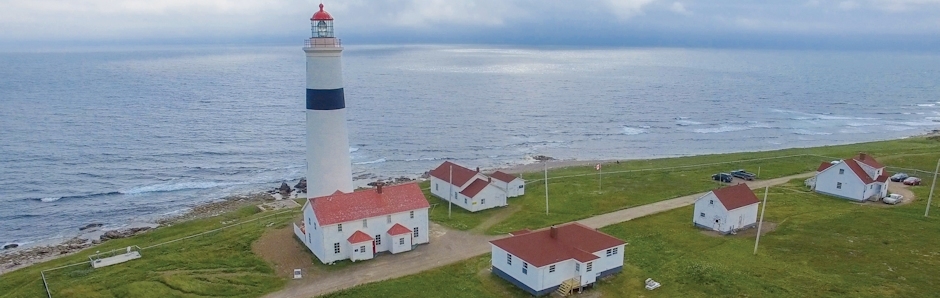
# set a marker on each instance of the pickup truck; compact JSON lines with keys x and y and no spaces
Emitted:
{"x":743,"y":175}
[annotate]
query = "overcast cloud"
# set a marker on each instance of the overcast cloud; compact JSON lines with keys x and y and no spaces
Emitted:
{"x":606,"y":22}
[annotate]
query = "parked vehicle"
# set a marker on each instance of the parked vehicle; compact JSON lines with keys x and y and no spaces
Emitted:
{"x":893,"y":199}
{"x":723,"y":177}
{"x":898,"y":177}
{"x":912,"y":181}
{"x":743,"y":175}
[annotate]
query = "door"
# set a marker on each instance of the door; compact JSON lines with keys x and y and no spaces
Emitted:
{"x":373,"y":248}
{"x":740,"y":221}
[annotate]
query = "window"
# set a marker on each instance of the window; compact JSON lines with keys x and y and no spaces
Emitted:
{"x":378,"y":239}
{"x":416,"y":232}
{"x":401,"y":241}
{"x":388,"y":218}
{"x":610,"y":252}
{"x":615,"y":250}
{"x":339,"y":227}
{"x":435,"y":187}
{"x":309,"y":222}
{"x":577,"y":267}
{"x":314,"y":226}
{"x":465,"y":201}
{"x":711,"y":202}
{"x":455,"y":194}
{"x":336,"y":247}
{"x":411,"y":214}
{"x":521,"y":186}
{"x":551,"y":268}
{"x":362,"y":249}
{"x":365,"y":223}
{"x":525,"y":268}
{"x":482,"y":201}
{"x":701,"y":214}
{"x":589,"y":267}
{"x":839,"y":185}
{"x":509,"y":259}
{"x":841,"y":171}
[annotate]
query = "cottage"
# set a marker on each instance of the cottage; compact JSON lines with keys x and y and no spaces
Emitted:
{"x":726,"y":209}
{"x":514,"y":186}
{"x":566,"y":257}
{"x":361,"y":224}
{"x":859,"y":178}
{"x":466,"y":188}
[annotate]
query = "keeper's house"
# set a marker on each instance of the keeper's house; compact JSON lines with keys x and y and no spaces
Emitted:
{"x":466,"y":188}
{"x":859,"y":178}
{"x":360,"y":224}
{"x":726,"y":209}
{"x":558,"y":258}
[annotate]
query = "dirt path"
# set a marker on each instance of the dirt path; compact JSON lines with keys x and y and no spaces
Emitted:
{"x":450,"y":246}
{"x":901,"y":189}
{"x":496,"y":218}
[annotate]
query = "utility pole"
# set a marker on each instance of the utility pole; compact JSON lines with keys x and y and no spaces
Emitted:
{"x":451,"y":191}
{"x":932,"y":185}
{"x":546,"y":186}
{"x":761,"y":222}
{"x":600,"y":177}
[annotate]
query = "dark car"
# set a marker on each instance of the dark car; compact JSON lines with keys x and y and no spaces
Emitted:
{"x":743,"y":175}
{"x":898,"y":177}
{"x":912,"y":181}
{"x":723,"y":177}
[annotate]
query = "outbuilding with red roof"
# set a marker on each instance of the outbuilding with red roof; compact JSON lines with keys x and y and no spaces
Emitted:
{"x":361,"y":224}
{"x":539,"y":262}
{"x":470,"y":189}
{"x":513,"y":185}
{"x":859,"y":178}
{"x":727,"y":209}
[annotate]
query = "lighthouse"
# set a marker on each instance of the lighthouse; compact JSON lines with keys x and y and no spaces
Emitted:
{"x":328,"y":162}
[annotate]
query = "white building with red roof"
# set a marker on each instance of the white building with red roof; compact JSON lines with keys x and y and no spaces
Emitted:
{"x":726,"y":209}
{"x":469,"y":189}
{"x":859,"y":178}
{"x":361,"y":224}
{"x":540,"y":261}
{"x":513,"y":185}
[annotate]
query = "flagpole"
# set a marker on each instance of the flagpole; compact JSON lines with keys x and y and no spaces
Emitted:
{"x":451,"y":200}
{"x":600,"y":172}
{"x":761,"y":222}
{"x":546,"y":186}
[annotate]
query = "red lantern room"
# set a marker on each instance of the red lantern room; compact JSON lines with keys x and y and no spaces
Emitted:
{"x":321,"y":24}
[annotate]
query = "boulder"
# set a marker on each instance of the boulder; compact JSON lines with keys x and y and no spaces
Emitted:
{"x":91,"y":226}
{"x":302,"y":185}
{"x":284,"y":189}
{"x":543,"y":158}
{"x":11,"y":246}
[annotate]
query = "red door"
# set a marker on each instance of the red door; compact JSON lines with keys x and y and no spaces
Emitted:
{"x":373,"y":247}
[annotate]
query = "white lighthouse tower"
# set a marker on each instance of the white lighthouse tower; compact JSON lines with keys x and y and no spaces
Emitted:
{"x":328,"y":162}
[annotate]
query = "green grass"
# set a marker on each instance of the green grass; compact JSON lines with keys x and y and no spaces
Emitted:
{"x":217,"y":264}
{"x":823,"y":247}
{"x":574,"y":198}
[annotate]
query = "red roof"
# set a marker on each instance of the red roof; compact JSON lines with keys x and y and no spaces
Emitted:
{"x":520,"y":232}
{"x":883,"y":178}
{"x":857,"y":169}
{"x":359,"y":237}
{"x":321,"y":15}
{"x":461,"y":174}
{"x":504,"y":177}
{"x":474,"y":188}
{"x":823,"y":166}
{"x":398,"y":229}
{"x":868,"y":160}
{"x":571,"y":241}
{"x":342,"y":207}
{"x":737,"y":196}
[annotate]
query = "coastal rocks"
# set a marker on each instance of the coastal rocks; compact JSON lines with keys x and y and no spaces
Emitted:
{"x":118,"y":234}
{"x":284,"y":189}
{"x":391,"y":181}
{"x":11,"y":246}
{"x":227,"y":204}
{"x":301,"y":186}
{"x":91,"y":226}
{"x":25,"y":257}
{"x":366,"y":176}
{"x":543,"y":158}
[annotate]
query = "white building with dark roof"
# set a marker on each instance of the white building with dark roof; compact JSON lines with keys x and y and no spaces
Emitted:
{"x":859,"y":178}
{"x":513,"y":185}
{"x":468,"y":189}
{"x":361,"y":224}
{"x":568,"y":256}
{"x":726,"y":209}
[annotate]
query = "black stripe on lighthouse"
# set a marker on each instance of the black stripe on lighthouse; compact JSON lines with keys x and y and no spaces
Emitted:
{"x":325,"y":100}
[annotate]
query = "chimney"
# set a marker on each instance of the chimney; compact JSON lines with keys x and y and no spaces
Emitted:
{"x":489,"y":179}
{"x":861,"y":156}
{"x":478,"y":169}
{"x":552,"y":232}
{"x":378,"y":187}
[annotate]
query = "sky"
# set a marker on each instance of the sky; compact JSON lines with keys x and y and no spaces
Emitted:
{"x":898,"y":24}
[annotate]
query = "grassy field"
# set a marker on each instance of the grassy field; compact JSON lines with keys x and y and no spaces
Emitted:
{"x":217,"y":264}
{"x":574,"y":192}
{"x":822,"y":247}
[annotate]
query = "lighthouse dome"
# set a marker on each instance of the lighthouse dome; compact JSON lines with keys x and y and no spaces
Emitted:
{"x":321,"y":15}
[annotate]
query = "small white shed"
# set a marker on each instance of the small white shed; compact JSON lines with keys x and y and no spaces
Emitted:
{"x":726,"y":209}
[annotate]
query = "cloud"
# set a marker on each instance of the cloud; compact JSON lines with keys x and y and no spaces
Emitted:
{"x":903,"y":5}
{"x":628,"y":8}
{"x":677,"y":7}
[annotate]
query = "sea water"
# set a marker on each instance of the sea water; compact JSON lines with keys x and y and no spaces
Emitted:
{"x":118,"y":135}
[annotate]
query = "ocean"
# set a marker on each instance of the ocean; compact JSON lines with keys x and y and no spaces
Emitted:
{"x":127,"y":135}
